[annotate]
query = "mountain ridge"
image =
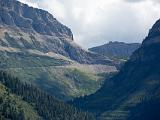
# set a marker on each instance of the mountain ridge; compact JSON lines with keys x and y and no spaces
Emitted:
{"x":133,"y":93}
{"x":39,"y":20}
{"x":35,"y":28}
{"x":119,"y":50}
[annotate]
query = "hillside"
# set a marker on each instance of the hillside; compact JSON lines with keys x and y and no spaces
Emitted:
{"x":134,"y":93}
{"x":38,"y":49}
{"x":63,"y":78}
{"x":21,"y":101}
{"x":119,"y":50}
{"x":13,"y":107}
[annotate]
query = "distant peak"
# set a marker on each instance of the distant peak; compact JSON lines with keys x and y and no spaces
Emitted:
{"x":116,"y":42}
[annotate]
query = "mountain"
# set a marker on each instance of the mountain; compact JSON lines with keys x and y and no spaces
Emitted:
{"x":116,"y":49}
{"x":134,"y":92}
{"x":21,"y":101}
{"x":38,"y":49}
{"x":25,"y":27}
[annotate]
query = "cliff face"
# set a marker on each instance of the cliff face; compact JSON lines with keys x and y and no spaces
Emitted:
{"x":16,"y":14}
{"x":25,"y":27}
{"x":134,"y":93}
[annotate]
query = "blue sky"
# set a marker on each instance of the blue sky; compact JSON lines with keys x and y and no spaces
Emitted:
{"x":95,"y":22}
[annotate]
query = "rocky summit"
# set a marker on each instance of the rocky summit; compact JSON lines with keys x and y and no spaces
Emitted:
{"x":25,"y":27}
{"x":19,"y":15}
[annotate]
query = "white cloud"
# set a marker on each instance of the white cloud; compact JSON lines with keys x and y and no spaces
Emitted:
{"x":134,"y":1}
{"x":95,"y":22}
{"x":29,"y":2}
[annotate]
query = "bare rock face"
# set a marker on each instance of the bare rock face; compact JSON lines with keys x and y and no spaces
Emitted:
{"x":25,"y":27}
{"x":21,"y":15}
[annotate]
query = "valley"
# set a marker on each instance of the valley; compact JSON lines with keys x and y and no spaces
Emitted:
{"x":133,"y":93}
{"x":46,"y":75}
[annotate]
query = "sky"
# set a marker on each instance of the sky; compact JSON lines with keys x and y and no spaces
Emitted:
{"x":96,"y":22}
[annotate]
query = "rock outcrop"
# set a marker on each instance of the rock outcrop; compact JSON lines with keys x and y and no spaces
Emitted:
{"x":26,"y":27}
{"x":14,"y":13}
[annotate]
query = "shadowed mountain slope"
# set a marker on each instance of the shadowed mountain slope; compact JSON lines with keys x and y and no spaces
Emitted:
{"x":134,"y":93}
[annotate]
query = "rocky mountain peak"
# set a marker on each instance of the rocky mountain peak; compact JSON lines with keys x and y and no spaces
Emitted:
{"x":14,"y":13}
{"x":154,"y":34}
{"x":27,"y":28}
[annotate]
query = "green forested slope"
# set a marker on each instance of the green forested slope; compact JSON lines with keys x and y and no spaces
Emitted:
{"x":13,"y":107}
{"x":50,"y":74}
{"x":21,"y":101}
